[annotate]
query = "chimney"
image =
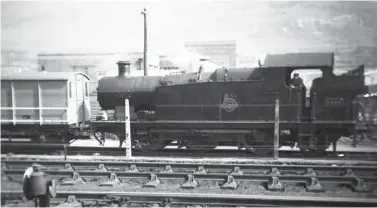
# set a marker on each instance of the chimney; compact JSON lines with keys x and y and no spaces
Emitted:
{"x":124,"y":68}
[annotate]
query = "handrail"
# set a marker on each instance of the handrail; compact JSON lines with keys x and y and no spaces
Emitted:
{"x":50,"y":121}
{"x":217,"y":105}
{"x":33,"y":108}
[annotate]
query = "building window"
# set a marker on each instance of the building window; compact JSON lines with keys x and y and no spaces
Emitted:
{"x":70,"y":89}
{"x":140,"y":63}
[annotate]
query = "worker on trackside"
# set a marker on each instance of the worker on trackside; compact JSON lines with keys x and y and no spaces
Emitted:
{"x":37,"y":187}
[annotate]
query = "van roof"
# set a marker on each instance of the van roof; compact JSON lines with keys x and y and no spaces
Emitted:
{"x":39,"y":75}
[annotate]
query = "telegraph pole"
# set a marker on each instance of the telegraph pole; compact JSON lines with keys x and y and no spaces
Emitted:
{"x":144,"y":12}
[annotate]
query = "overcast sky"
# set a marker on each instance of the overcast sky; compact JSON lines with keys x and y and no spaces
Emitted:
{"x":258,"y":27}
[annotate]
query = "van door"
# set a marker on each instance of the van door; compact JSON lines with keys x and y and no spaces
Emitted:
{"x":80,"y":98}
{"x":87,"y":106}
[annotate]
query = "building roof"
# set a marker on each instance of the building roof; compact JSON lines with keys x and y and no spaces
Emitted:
{"x":229,"y":42}
{"x":76,"y":54}
{"x":294,"y":60}
{"x":39,"y":75}
{"x":167,"y":64}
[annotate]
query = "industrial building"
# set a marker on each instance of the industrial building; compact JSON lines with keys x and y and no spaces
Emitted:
{"x":97,"y":65}
{"x":222,"y":53}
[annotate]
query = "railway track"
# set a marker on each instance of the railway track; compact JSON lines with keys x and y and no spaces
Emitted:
{"x":61,"y":149}
{"x":309,"y":175}
{"x":136,"y":199}
{"x":133,"y":183}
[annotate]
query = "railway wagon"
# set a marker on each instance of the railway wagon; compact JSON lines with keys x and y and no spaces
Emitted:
{"x":235,"y":106}
{"x":44,"y":106}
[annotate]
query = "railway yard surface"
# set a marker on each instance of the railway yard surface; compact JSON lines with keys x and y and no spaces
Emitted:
{"x":115,"y":181}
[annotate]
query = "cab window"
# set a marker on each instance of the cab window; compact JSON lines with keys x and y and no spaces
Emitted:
{"x":306,"y":75}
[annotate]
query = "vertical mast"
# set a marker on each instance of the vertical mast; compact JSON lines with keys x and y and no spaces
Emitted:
{"x":144,"y":12}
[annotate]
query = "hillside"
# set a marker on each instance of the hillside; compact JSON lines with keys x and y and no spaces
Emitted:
{"x":348,"y":28}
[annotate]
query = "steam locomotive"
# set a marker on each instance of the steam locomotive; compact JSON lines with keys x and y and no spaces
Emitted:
{"x":235,"y":106}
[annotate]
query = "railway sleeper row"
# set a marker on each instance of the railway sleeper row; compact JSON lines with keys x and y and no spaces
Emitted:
{"x":312,"y":184}
{"x":307,"y":170}
{"x":273,"y":181}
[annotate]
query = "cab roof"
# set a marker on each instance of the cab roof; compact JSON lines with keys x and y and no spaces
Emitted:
{"x":39,"y":75}
{"x":300,"y":60}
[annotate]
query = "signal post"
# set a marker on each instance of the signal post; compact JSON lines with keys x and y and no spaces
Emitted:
{"x":127,"y":126}
{"x":277,"y":131}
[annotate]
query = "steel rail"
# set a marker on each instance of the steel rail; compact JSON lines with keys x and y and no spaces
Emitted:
{"x":213,"y":166}
{"x":206,"y":199}
{"x":27,"y":148}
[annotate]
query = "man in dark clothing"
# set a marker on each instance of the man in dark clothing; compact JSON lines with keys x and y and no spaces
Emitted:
{"x":296,"y":81}
{"x":37,"y":186}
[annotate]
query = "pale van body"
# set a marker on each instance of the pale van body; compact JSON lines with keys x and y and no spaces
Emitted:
{"x":40,"y":104}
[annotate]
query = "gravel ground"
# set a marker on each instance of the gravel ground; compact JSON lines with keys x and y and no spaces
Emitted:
{"x":214,"y":187}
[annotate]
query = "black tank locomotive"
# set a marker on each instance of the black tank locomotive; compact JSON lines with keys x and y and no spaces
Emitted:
{"x":235,"y":106}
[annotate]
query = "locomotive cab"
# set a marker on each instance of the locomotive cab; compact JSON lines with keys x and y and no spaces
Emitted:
{"x":330,"y":109}
{"x":333,"y":97}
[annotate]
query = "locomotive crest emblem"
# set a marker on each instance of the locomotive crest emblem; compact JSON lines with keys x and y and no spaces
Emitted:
{"x":229,"y":104}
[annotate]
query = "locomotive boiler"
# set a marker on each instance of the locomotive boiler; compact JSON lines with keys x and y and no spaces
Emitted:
{"x":235,"y":106}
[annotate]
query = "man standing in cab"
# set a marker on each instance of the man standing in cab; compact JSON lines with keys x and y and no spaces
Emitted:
{"x":296,"y":81}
